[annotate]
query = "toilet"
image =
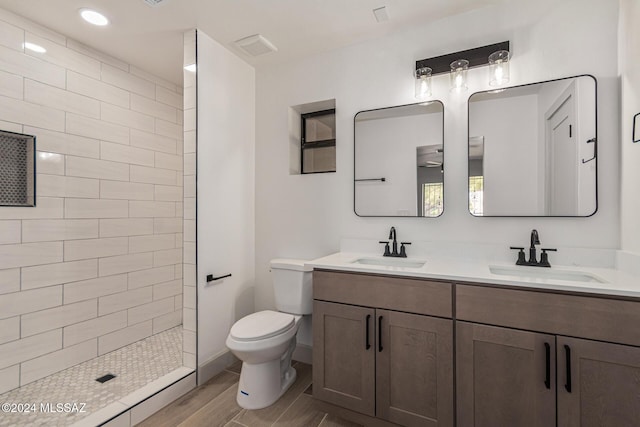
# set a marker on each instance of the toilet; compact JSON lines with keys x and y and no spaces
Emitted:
{"x":265,"y":340}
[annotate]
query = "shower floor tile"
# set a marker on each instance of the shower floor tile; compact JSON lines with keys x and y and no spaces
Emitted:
{"x":134,"y":366}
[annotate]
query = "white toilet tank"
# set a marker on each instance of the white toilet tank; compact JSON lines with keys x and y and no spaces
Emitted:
{"x":292,"y":286}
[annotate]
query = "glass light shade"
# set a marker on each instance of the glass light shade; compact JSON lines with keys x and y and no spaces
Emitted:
{"x":458,"y":75}
{"x":423,"y":82}
{"x":499,"y":68}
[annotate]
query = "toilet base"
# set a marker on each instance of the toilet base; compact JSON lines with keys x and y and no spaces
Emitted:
{"x":261,"y":385}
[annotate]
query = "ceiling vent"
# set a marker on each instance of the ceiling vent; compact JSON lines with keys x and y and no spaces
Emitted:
{"x":381,"y":14}
{"x":154,"y":2}
{"x":255,"y":45}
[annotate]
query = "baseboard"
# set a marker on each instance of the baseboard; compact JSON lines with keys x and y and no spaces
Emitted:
{"x":352,"y":416}
{"x":214,"y":366}
{"x":303,"y":353}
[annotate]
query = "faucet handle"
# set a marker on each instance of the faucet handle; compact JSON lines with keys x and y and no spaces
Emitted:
{"x":521,"y":259}
{"x":387,"y":250}
{"x":544,"y":258}
{"x":403,"y":252}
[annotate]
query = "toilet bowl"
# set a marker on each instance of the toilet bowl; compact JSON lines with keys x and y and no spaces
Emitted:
{"x":265,"y":340}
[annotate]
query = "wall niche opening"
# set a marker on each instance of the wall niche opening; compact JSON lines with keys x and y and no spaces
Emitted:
{"x":312,"y":138}
{"x":17,"y":169}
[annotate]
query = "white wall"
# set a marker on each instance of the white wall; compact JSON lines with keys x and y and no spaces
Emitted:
{"x":97,"y":263}
{"x":510,"y":165}
{"x":387,"y":148}
{"x":630,"y":72}
{"x":305,"y":216}
{"x":225,"y":189}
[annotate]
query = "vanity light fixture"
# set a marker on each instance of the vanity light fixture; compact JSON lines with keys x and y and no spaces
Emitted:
{"x":458,"y":75}
{"x":499,"y":68}
{"x":34,"y":47}
{"x":423,"y":82}
{"x":94,"y":18}
{"x":457,"y":64}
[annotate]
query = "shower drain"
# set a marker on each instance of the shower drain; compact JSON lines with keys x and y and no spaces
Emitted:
{"x":103,"y":379}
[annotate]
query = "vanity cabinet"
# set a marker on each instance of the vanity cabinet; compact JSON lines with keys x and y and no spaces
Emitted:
{"x":414,"y":369}
{"x":343,"y":362}
{"x":383,"y":347}
{"x":508,"y":375}
{"x":502,"y":377}
{"x":389,"y":359}
{"x":605,"y":384}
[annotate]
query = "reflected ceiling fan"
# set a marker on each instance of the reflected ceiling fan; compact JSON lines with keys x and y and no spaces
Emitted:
{"x":431,"y":164}
{"x":431,"y":159}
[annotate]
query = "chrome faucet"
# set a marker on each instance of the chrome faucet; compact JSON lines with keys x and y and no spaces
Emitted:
{"x":533,"y":261}
{"x":394,"y":252}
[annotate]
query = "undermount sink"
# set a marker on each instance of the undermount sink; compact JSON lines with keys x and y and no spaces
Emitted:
{"x":390,"y":262}
{"x":546,"y":273}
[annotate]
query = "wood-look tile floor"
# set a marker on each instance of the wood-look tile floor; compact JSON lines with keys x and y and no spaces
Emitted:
{"x":214,"y":404}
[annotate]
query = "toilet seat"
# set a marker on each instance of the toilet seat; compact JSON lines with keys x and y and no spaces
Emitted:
{"x":262,"y":325}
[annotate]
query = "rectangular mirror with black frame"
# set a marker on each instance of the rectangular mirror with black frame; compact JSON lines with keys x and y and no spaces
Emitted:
{"x":399,"y":161}
{"x":533,"y":149}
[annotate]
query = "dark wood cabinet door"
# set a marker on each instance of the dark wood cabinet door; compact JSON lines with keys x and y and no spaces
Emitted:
{"x":414,"y":369}
{"x":604,"y":384}
{"x":502,"y":377}
{"x":343,"y":356}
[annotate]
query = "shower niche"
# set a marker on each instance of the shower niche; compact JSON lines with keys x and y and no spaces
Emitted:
{"x":17,"y":169}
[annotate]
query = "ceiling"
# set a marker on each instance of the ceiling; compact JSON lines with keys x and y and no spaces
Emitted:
{"x":150,"y":38}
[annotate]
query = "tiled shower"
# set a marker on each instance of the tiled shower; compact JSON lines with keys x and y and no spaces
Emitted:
{"x":96,"y":265}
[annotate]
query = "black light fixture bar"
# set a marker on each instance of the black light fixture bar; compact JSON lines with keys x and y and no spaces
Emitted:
{"x":477,"y":57}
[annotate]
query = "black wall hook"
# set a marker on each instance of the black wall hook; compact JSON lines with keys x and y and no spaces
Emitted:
{"x":595,"y":150}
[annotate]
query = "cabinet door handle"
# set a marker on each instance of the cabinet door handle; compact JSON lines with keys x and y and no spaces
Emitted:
{"x":567,"y":352}
{"x":547,"y":374}
{"x":368,"y":344}
{"x":380,"y":334}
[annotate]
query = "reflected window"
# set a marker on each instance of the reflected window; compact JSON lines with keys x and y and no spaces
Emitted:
{"x":318,"y":143}
{"x":432,"y":199}
{"x":476,"y":195}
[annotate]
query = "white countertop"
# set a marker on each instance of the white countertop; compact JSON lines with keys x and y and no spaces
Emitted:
{"x":463,"y":269}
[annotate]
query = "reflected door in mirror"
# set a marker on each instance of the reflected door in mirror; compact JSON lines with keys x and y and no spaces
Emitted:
{"x":532,"y":149}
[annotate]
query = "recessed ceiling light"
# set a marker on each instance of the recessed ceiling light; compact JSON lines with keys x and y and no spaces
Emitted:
{"x":190,"y":67}
{"x":93,"y":17}
{"x":34,"y":47}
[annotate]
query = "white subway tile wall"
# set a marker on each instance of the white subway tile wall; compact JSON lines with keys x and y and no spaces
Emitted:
{"x":97,"y":264}
{"x":186,"y":301}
